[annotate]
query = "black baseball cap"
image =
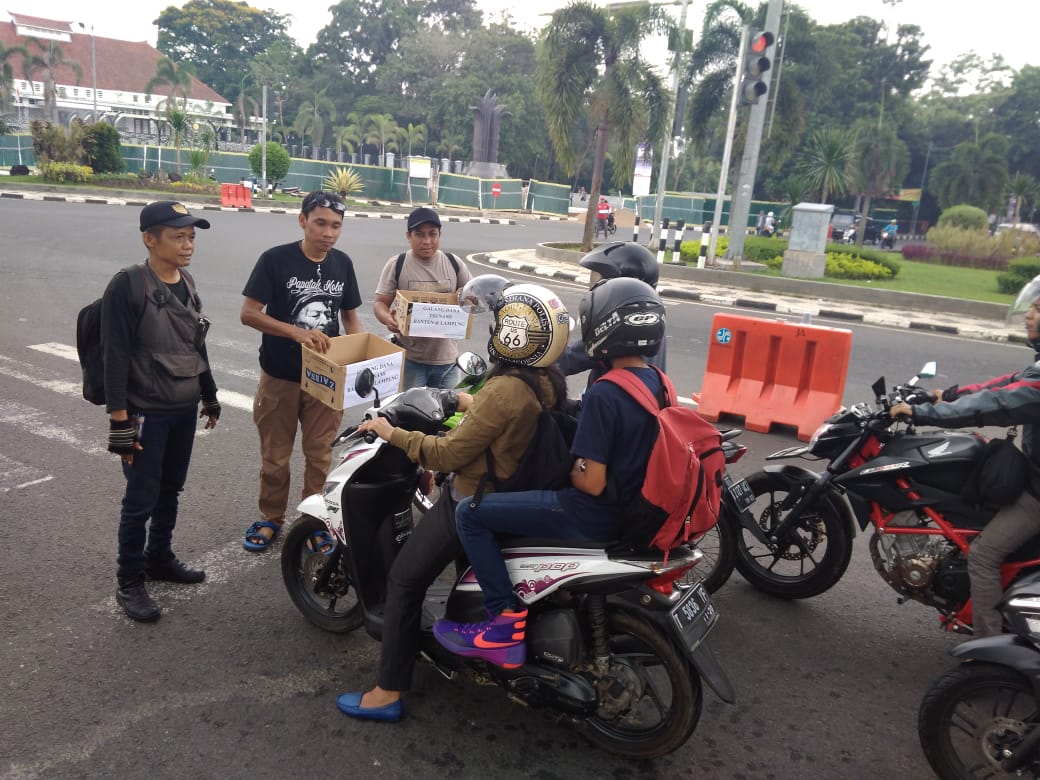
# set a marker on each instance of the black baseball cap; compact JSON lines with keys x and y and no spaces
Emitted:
{"x":421,"y":216}
{"x":169,"y":213}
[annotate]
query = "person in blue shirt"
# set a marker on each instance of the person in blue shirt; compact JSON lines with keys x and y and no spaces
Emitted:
{"x":622,"y":322}
{"x":611,"y":261}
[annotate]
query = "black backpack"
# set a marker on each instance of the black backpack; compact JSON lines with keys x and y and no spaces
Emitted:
{"x":88,"y":330}
{"x":546,"y":462}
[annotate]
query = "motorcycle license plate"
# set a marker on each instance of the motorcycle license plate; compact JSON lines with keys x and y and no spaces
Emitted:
{"x":742,"y":494}
{"x":694,"y":615}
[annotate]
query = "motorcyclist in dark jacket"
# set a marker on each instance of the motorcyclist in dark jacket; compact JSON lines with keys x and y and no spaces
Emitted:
{"x":609,"y":261}
{"x":1005,"y":400}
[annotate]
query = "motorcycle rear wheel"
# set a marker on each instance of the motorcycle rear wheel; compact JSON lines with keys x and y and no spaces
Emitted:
{"x":718,"y":545}
{"x":336,"y":609}
{"x":788,"y":572}
{"x":650,"y":699}
{"x":972,"y":713}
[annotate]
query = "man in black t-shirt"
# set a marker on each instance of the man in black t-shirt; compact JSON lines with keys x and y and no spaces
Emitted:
{"x":298,"y":293}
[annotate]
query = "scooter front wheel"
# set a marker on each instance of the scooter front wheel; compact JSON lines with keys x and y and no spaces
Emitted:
{"x":973,"y":718}
{"x":314,"y":569}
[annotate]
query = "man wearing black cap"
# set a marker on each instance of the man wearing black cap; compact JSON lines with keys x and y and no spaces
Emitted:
{"x":156,"y":370}
{"x":424,"y":267}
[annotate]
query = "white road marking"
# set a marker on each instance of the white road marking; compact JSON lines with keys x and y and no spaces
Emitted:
{"x":36,"y":423}
{"x":9,"y":367}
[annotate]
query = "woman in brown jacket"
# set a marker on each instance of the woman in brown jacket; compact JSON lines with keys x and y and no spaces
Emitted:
{"x":530,"y":332}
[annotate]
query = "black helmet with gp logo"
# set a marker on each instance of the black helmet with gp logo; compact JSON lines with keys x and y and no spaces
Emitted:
{"x":621,"y":317}
{"x":531,"y":327}
{"x":622,"y":258}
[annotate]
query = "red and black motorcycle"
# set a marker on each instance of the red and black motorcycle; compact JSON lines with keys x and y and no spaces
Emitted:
{"x":792,"y":529}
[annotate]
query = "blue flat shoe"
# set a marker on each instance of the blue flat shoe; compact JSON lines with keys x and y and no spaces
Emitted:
{"x":350,"y":704}
{"x":255,"y":541}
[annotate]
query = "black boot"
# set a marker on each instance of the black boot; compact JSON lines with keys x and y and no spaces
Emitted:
{"x":136,"y":602}
{"x":172,"y":570}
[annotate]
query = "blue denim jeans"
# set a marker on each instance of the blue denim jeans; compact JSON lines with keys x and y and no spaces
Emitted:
{"x":445,"y":375}
{"x":153,"y":482}
{"x":531,"y":513}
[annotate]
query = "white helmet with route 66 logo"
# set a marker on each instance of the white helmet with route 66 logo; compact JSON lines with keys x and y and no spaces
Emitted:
{"x":531,"y":327}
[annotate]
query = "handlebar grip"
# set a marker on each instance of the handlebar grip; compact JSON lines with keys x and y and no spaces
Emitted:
{"x":370,"y":437}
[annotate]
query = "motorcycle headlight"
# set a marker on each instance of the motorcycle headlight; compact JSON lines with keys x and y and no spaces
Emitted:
{"x":823,"y":429}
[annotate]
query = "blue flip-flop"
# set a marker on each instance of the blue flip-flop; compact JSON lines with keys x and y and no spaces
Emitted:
{"x":255,"y":541}
{"x":321,"y":542}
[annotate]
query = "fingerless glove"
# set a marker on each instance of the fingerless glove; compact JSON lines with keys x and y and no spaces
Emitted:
{"x":951,"y":393}
{"x":122,"y":435}
{"x":210,"y":409}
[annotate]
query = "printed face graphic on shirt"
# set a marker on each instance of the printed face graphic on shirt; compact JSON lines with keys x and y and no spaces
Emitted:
{"x":316,"y":315}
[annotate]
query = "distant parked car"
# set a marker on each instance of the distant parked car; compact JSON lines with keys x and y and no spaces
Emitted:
{"x":1022,"y":227}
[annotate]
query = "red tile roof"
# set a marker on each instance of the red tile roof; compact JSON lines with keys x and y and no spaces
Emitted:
{"x":122,"y":66}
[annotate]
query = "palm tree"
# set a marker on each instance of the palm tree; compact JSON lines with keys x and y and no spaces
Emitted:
{"x":312,"y":115}
{"x":1022,"y":187}
{"x":413,"y":134}
{"x":882,"y":162}
{"x":827,"y":161}
{"x":44,"y":64}
{"x":180,"y":125}
{"x":382,"y":129}
{"x":169,"y":74}
{"x":589,"y":62}
{"x":450,"y":145}
{"x":7,"y":74}
{"x":976,"y":173}
{"x":245,"y":108}
{"x":346,"y":137}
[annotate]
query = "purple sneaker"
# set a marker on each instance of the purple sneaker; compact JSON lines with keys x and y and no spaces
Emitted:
{"x":499,"y":640}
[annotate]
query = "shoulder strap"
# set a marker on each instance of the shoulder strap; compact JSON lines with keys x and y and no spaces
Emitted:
{"x":454,"y":264}
{"x":400,"y":264}
{"x":634,"y":386}
{"x":137,"y":276}
{"x":397,"y":269}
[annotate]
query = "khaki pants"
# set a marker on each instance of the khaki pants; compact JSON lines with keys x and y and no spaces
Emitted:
{"x":277,"y":408}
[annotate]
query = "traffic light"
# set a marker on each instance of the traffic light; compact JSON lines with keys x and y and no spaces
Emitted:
{"x":756,"y":63}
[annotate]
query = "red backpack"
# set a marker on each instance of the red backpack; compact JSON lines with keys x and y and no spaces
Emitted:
{"x":682,"y":489}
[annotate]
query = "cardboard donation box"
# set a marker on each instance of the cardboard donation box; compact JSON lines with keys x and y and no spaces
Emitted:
{"x":330,"y":377}
{"x":430,"y":314}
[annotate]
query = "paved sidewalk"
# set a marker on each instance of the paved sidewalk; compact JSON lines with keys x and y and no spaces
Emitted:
{"x":807,"y":308}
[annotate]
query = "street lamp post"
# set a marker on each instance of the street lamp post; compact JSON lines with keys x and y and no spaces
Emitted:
{"x":93,"y":69}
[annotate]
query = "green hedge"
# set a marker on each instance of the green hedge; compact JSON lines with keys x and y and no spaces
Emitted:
{"x":876,"y":264}
{"x":1019,"y":272}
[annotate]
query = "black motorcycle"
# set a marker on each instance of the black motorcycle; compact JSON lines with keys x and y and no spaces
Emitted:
{"x":792,"y":529}
{"x":982,"y":719}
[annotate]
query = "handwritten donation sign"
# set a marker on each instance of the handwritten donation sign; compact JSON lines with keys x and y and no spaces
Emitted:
{"x":388,"y":377}
{"x":331,"y":377}
{"x":433,"y":320}
{"x":431,"y":315}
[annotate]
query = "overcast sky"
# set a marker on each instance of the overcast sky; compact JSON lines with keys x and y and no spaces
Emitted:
{"x":951,"y":27}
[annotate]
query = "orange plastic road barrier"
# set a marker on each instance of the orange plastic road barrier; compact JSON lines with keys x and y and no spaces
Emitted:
{"x":246,"y":200}
{"x":773,"y":372}
{"x":226,"y":198}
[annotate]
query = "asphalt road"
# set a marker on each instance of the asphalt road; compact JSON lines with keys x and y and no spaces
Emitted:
{"x":233,"y":683}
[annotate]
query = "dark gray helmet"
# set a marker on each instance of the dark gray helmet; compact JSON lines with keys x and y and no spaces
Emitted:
{"x":621,"y":317}
{"x":623,"y":258}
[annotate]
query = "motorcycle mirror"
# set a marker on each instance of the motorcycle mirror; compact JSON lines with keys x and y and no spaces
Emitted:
{"x":471,"y":364}
{"x":366,"y":384}
{"x":879,"y":389}
{"x":928,"y":371}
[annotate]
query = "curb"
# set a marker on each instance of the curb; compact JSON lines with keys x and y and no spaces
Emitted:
{"x":803,"y":307}
{"x":93,"y":199}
